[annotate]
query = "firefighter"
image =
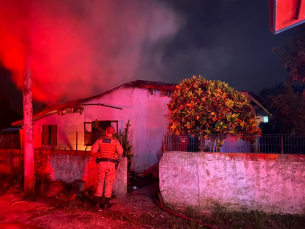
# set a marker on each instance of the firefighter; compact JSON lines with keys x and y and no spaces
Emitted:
{"x":108,"y":149}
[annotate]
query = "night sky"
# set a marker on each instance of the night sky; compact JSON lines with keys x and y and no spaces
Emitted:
{"x":228,"y":40}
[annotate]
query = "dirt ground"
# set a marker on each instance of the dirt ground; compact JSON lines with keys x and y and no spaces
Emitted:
{"x":137,"y":210}
{"x":57,"y":213}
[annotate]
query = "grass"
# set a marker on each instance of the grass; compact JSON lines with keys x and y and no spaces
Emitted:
{"x":225,"y":219}
{"x":220,"y":217}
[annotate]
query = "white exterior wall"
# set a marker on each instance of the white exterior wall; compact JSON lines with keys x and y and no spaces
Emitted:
{"x":147,"y":114}
{"x":242,"y":181}
{"x":67,"y":125}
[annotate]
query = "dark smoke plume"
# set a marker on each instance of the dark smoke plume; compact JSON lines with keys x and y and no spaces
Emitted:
{"x":82,"y":47}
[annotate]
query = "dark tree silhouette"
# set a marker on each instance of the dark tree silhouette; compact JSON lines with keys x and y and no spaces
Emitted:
{"x":293,"y":57}
{"x":7,"y":116}
{"x":286,"y":103}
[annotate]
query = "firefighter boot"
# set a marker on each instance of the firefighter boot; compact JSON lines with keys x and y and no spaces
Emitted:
{"x":107,"y":204}
{"x":98,"y":202}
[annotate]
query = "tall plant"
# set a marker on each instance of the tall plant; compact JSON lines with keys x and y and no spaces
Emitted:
{"x":212,"y":109}
{"x":123,"y":137}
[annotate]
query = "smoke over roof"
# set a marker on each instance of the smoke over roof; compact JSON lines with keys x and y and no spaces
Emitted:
{"x":80,"y":48}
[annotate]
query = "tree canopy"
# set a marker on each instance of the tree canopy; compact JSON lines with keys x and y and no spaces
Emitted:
{"x":293,"y":57}
{"x":287,"y":105}
{"x":211,"y":107}
{"x":286,"y":100}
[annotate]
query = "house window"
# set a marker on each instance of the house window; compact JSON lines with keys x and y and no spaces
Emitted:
{"x":49,"y":135}
{"x":88,"y":134}
{"x":92,"y":133}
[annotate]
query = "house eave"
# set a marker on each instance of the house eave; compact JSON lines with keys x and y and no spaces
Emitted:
{"x":248,"y":96}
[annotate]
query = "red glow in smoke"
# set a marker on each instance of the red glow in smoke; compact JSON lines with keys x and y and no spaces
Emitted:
{"x":80,"y":48}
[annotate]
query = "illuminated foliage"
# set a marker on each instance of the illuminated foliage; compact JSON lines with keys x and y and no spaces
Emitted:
{"x":211,"y":108}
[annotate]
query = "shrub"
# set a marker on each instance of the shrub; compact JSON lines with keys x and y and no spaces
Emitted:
{"x":212,"y":109}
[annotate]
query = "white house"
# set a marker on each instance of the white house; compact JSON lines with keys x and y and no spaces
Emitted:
{"x":144,"y":103}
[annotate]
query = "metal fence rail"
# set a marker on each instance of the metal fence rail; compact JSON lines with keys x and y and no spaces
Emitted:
{"x":267,"y":143}
{"x":73,"y":140}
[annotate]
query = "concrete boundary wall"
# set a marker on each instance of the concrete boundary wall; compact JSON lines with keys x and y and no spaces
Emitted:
{"x":66,"y":166}
{"x":239,"y":181}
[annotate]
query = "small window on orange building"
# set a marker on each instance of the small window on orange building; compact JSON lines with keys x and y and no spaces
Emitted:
{"x":49,"y":135}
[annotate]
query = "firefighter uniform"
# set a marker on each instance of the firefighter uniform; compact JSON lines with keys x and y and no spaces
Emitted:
{"x":108,"y":149}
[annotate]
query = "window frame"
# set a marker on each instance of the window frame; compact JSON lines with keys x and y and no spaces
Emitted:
{"x":90,"y":134}
{"x":49,"y":134}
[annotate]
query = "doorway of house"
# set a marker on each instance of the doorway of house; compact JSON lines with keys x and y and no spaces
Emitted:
{"x":100,"y":130}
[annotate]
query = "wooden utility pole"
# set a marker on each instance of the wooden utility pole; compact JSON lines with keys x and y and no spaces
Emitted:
{"x":29,"y":172}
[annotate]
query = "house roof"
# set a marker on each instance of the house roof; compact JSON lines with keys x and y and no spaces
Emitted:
{"x":134,"y":84}
{"x":253,"y":97}
{"x":81,"y":102}
{"x":10,"y":130}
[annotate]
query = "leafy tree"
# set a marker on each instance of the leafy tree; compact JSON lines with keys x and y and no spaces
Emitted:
{"x":286,"y":100}
{"x":271,"y":91}
{"x":211,"y":109}
{"x":293,"y":57}
{"x":287,"y":105}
